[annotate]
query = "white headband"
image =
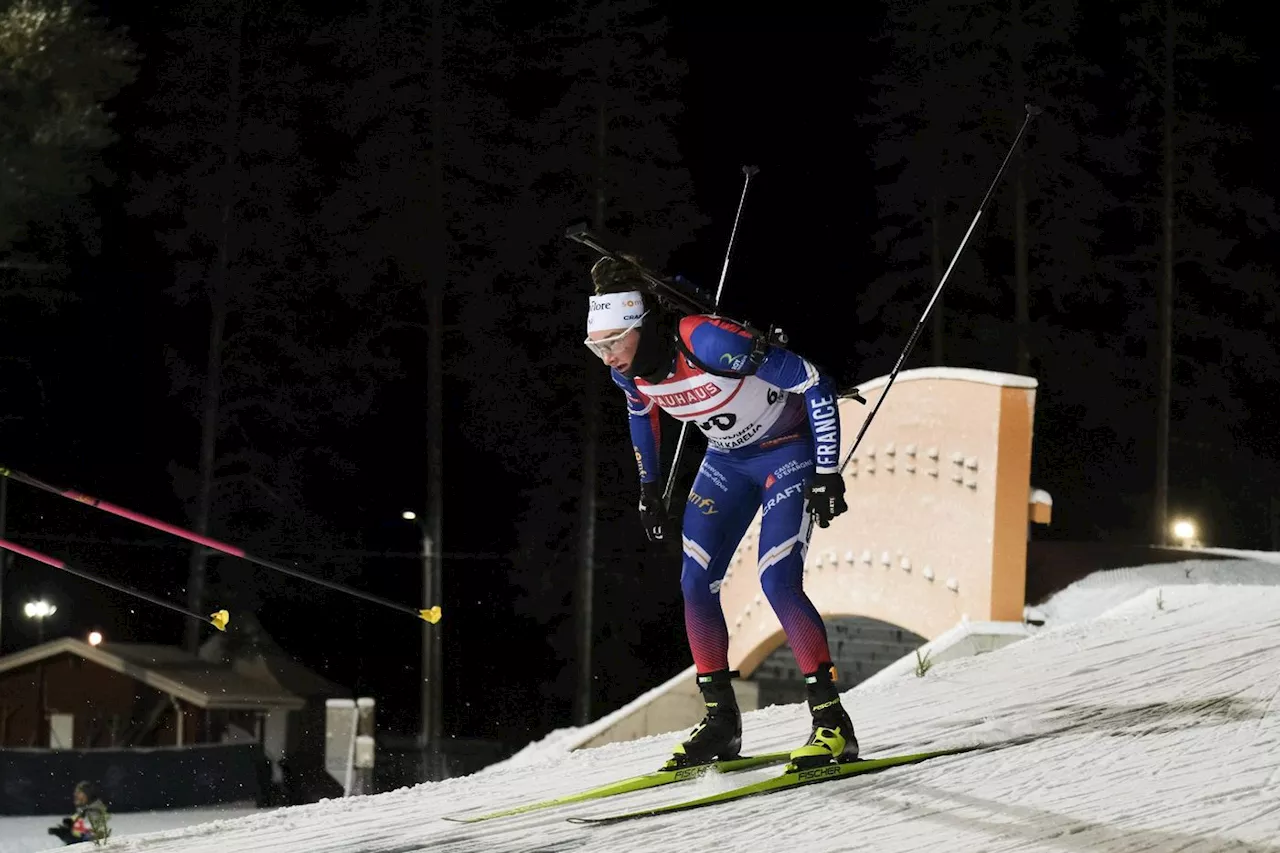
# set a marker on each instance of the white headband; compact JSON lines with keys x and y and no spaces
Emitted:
{"x":614,"y":310}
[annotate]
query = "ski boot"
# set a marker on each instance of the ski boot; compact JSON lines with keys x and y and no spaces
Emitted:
{"x":719,"y":735}
{"x":832,"y":740}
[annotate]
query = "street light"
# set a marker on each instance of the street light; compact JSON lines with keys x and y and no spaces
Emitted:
{"x":95,"y":638}
{"x":409,"y":515}
{"x":1184,"y":530}
{"x":40,"y":610}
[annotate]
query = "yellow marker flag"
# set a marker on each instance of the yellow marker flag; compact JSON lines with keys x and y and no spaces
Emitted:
{"x":432,"y":615}
{"x":219,"y":620}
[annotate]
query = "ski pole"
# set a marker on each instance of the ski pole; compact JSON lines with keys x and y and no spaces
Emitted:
{"x":218,"y":619}
{"x":431,"y":614}
{"x":1032,"y":112}
{"x":748,"y":172}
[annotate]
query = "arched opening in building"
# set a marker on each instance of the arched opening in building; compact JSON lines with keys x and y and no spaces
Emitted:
{"x":860,"y":647}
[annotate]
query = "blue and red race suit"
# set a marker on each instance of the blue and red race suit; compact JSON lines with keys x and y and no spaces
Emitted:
{"x":767,"y":432}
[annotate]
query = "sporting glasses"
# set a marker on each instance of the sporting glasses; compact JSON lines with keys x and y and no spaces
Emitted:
{"x":603,"y":346}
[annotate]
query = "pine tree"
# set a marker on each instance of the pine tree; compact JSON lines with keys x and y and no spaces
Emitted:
{"x":1045,"y":285}
{"x":60,"y":66}
{"x":949,"y":105}
{"x":1201,"y":239}
{"x":234,"y":196}
{"x":589,"y":136}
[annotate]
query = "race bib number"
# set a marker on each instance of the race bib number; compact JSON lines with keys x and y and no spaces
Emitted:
{"x":730,"y":411}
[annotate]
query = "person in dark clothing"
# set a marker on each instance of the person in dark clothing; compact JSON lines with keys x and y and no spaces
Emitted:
{"x":90,"y":820}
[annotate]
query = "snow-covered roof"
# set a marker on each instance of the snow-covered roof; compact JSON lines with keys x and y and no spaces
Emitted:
{"x":168,"y":669}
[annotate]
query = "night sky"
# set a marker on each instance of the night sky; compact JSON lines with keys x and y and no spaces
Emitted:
{"x":90,"y":402}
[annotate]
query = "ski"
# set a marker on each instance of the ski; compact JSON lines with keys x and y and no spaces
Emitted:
{"x":785,"y":781}
{"x":636,"y":783}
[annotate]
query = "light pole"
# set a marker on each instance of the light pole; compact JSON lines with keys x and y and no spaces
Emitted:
{"x":429,"y":733}
{"x":40,"y":610}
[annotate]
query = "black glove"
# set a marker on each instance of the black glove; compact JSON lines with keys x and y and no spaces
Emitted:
{"x":825,"y":495}
{"x":652,"y":513}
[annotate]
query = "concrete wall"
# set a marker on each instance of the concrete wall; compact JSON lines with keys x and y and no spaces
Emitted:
{"x":939,"y":506}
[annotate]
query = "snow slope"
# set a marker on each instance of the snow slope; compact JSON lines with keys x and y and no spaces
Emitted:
{"x":1140,"y":719}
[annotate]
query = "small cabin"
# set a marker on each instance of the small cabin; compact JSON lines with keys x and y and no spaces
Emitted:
{"x":67,"y":694}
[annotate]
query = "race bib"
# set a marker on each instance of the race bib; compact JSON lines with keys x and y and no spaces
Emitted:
{"x":731,"y":411}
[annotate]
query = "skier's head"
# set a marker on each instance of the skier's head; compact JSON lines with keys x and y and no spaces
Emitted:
{"x":85,"y":792}
{"x":626,"y":327}
{"x":615,"y":313}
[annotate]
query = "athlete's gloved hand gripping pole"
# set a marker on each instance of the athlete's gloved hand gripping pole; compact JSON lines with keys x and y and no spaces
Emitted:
{"x":825,"y":495}
{"x":653,"y":514}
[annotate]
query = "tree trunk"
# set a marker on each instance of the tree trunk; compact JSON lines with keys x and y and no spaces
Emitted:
{"x":1275,"y":532}
{"x":4,"y":558}
{"x":587,"y":498}
{"x":939,"y":324}
{"x":1021,"y":279}
{"x":1164,"y":301}
{"x":1022,"y":283}
{"x":219,"y":297}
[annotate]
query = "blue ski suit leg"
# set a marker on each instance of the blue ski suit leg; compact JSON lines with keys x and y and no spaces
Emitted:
{"x":729,"y":489}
